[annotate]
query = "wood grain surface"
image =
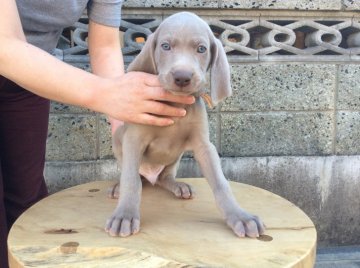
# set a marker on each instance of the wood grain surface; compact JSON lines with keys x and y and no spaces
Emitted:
{"x":67,"y":230}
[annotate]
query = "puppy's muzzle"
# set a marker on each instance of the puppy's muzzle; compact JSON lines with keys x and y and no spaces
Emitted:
{"x":182,"y":78}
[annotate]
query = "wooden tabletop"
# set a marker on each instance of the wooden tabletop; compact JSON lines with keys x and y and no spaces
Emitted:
{"x":67,"y":230}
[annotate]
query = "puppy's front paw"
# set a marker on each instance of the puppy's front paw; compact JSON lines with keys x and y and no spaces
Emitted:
{"x":123,"y":222}
{"x":245,"y":224}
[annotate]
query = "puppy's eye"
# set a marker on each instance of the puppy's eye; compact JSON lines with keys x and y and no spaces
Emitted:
{"x":201,"y":49}
{"x":165,"y":46}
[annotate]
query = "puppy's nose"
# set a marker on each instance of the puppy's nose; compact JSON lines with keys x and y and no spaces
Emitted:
{"x":182,"y":78}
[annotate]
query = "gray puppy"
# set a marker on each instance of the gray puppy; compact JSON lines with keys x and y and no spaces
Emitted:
{"x":180,"y":51}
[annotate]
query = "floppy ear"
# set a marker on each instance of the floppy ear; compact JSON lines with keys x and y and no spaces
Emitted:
{"x":144,"y":62}
{"x":220,"y":87}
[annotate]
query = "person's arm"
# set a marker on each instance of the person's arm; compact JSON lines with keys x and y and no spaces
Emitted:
{"x":105,"y":55}
{"x":33,"y":68}
{"x":48,"y":77}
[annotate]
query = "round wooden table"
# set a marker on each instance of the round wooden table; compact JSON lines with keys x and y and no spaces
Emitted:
{"x":67,"y":230}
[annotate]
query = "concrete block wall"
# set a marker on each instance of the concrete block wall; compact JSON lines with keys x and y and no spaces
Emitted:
{"x":336,"y":5}
{"x":291,"y":127}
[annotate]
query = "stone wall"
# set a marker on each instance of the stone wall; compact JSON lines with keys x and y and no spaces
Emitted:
{"x":292,"y":124}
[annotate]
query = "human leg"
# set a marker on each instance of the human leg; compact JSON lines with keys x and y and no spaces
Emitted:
{"x":23,"y":132}
{"x":3,"y":226}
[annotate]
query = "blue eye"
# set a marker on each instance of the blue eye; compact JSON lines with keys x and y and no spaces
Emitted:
{"x":165,"y":46}
{"x":201,"y":49}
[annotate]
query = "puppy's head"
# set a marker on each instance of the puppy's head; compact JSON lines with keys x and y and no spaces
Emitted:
{"x":180,"y":51}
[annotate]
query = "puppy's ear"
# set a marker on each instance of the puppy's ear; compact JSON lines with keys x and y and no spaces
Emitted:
{"x":145,"y":62}
{"x":220,"y":87}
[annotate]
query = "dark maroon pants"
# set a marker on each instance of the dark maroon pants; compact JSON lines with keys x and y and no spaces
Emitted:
{"x":23,"y":131}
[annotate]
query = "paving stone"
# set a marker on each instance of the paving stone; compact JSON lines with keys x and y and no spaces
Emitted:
{"x":340,"y":212}
{"x":348,"y":133}
{"x":291,"y":178}
{"x":262,"y":134}
{"x":56,"y":107}
{"x":352,"y":4}
{"x":349,"y":89}
{"x":279,"y":4}
{"x":338,"y":257}
{"x":105,"y":142}
{"x":60,"y":175}
{"x":266,"y":87}
{"x":247,"y":4}
{"x":338,"y":264}
{"x":169,"y":3}
{"x":213,"y":128}
{"x":71,"y":138}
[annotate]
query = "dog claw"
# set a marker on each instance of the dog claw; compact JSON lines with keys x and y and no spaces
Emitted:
{"x":122,"y":224}
{"x":183,"y":190}
{"x":245,"y":224}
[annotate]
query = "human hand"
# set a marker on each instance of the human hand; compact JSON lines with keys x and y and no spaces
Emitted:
{"x":135,"y":97}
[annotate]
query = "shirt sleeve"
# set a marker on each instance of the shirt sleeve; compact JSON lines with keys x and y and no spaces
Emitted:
{"x":106,"y":12}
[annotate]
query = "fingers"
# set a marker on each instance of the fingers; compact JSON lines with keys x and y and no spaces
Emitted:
{"x":164,"y":95}
{"x":154,"y":103}
{"x":158,"y":114}
{"x":163,"y":109}
{"x":144,"y":101}
{"x":156,"y":92}
{"x":149,"y":119}
{"x":150,"y":80}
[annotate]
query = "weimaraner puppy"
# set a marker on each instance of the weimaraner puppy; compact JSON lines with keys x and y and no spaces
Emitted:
{"x":180,"y":51}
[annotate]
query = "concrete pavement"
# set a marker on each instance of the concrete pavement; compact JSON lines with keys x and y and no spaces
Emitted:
{"x":338,"y":257}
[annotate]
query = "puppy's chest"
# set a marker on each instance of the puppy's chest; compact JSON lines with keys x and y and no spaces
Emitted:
{"x":166,"y":144}
{"x":166,"y":148}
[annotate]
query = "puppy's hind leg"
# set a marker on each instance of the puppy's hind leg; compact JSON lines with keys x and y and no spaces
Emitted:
{"x":113,"y":191}
{"x":167,"y":181}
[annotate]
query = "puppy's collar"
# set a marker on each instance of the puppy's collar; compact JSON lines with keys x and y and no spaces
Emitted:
{"x":206,"y":97}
